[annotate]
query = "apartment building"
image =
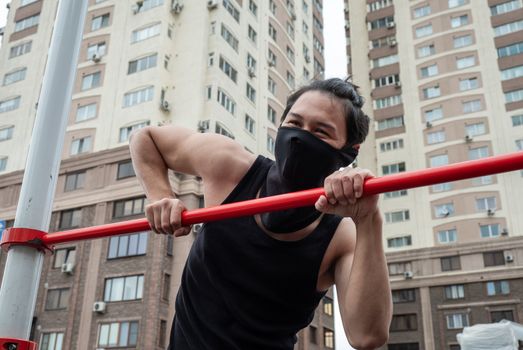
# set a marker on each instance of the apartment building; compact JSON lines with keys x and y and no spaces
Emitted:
{"x":220,"y":66}
{"x":444,"y":84}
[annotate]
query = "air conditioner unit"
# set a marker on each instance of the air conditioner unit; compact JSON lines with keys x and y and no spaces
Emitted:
{"x":212,"y":4}
{"x":393,"y":42}
{"x":137,"y":6}
{"x":251,"y":72}
{"x":408,"y":274}
{"x":196,"y":228}
{"x":68,"y":268}
{"x":397,"y":84}
{"x":428,"y":125}
{"x":96,"y":57}
{"x":444,"y":213}
{"x":504,"y":232}
{"x":271,"y":63}
{"x":293,"y":15}
{"x":391,"y":25}
{"x":99,"y":306}
{"x":307,"y":58}
{"x":165,"y":106}
{"x":203,"y":125}
{"x":468,"y":139}
{"x":509,"y":258}
{"x":491,"y":212}
{"x":176,"y":6}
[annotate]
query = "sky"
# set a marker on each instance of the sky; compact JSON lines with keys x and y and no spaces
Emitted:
{"x":335,"y":66}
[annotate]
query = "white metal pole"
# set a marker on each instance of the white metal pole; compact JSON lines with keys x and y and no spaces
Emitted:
{"x":24,"y":264}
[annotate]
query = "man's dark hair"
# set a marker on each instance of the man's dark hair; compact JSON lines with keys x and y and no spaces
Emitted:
{"x":357,"y":122}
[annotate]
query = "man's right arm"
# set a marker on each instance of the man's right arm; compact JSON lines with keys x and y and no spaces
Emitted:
{"x":218,"y":160}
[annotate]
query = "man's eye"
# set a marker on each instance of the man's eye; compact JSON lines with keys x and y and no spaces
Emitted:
{"x":293,"y":122}
{"x":321,"y":131}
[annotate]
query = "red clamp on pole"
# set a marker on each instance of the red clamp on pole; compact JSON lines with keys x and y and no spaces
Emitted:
{"x":17,"y":344}
{"x":25,"y":236}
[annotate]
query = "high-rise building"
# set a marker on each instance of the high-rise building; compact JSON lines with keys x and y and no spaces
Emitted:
{"x":221,"y":66}
{"x":444,"y":84}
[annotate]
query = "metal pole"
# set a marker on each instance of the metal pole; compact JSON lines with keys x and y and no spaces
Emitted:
{"x":23,"y":266}
{"x":400,"y":181}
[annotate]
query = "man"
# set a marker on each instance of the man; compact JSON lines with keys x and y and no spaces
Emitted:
{"x":253,"y":283}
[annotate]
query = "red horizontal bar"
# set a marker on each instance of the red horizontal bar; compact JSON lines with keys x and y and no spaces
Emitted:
{"x":400,"y":181}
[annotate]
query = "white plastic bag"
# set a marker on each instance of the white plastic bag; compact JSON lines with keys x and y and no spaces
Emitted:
{"x":493,"y":336}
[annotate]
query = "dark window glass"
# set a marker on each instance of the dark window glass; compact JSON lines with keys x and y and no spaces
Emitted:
{"x":404,"y":346}
{"x":166,"y":291}
{"x":125,"y":170}
{"x":497,"y":316}
{"x":403,"y":295}
{"x":450,"y":263}
{"x":74,"y":181}
{"x":127,"y":245}
{"x":57,"y":299}
{"x":63,"y":256}
{"x":493,"y":258}
{"x":128,"y":207}
{"x":407,"y":322}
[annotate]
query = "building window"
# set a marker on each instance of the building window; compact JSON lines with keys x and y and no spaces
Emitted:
{"x":395,"y":194}
{"x":377,"y":5}
{"x":125,"y":170}
{"x":272,"y":58}
{"x":447,"y":236}
{"x":81,"y":145}
{"x":64,"y":256}
{"x":229,"y":38}
{"x":272,"y":32}
{"x":426,"y":51}
{"x":514,"y":96}
{"x":505,"y":7}
{"x":20,"y":49}
{"x":226,"y":67}
{"x":389,"y":123}
{"x":74,"y":181}
{"x":251,"y":62}
{"x":15,"y":76}
{"x":429,"y":71}
{"x":127,"y":245}
{"x":457,"y":321}
{"x":510,"y":50}
{"x":10,"y":104}
{"x":384,"y":61}
{"x":142,"y":64}
{"x":471,"y":106}
{"x":475,"y":129}
{"x":468,"y":84}
{"x":313,"y":335}
{"x":450,"y":263}
{"x":222,"y":130}
{"x":465,"y":62}
{"x":456,"y":3}
{"x":508,"y":28}
{"x":91,"y":81}
{"x":251,"y":93}
{"x":6,"y":133}
{"x":290,"y":54}
{"x":271,"y":114}
{"x":100,"y":22}
{"x":252,"y":34}
{"x":70,"y":218}
{"x":328,"y":338}
{"x":149,"y":4}
{"x":443,"y":210}
{"x":393,"y":168}
{"x":95,"y":50}
{"x":128,"y":207}
{"x":391,"y":145}
{"x":399,"y":242}
{"x":496,"y":316}
{"x":456,"y":291}
{"x":290,"y":30}
{"x":162,"y":334}
{"x":249,"y":124}
{"x":27,"y":22}
{"x":479,"y":152}
{"x":118,"y":334}
{"x":123,"y":288}
{"x":138,"y":96}
{"x":498,"y":288}
{"x":52,"y":341}
{"x":482,"y":180}
{"x":270,"y":144}
{"x":422,"y":11}
{"x":496,"y":258}
{"x":424,"y":31}
{"x":459,"y":21}
{"x":226,"y":101}
{"x":462,"y":41}
{"x":290,"y":80}
{"x":125,"y":132}
{"x":271,"y":85}
{"x":386,"y":80}
{"x":403,"y":296}
{"x":57,"y":299}
{"x":145,"y":33}
{"x":397,"y":216}
{"x":388,"y":101}
{"x":486,"y":203}
{"x":439,"y":160}
{"x":383,"y":22}
{"x":399,"y":268}
{"x":431,"y":92}
{"x":166,"y":287}
{"x":436,"y":137}
{"x":85,"y":112}
{"x":401,"y":323}
{"x":517,"y":120}
{"x":253,"y":7}
{"x":489,"y":231}
{"x":3,"y":163}
{"x":227,"y":4}
{"x":512,"y":73}
{"x":446,"y":186}
{"x":169,"y":247}
{"x":328,"y":306}
{"x":433,"y":114}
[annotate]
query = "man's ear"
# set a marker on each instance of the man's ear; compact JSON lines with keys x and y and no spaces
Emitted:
{"x":357,"y":147}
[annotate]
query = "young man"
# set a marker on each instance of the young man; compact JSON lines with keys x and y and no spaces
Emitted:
{"x":254,"y":282}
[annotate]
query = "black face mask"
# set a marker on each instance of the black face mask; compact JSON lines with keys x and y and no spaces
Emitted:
{"x":303,"y":161}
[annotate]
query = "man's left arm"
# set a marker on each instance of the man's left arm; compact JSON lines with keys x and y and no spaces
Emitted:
{"x":361,"y":274}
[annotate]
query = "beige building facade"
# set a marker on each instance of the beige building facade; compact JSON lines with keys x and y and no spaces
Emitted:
{"x":444,"y":84}
{"x":221,"y":66}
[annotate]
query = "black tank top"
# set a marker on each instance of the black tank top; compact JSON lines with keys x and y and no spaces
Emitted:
{"x":242,"y":289}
